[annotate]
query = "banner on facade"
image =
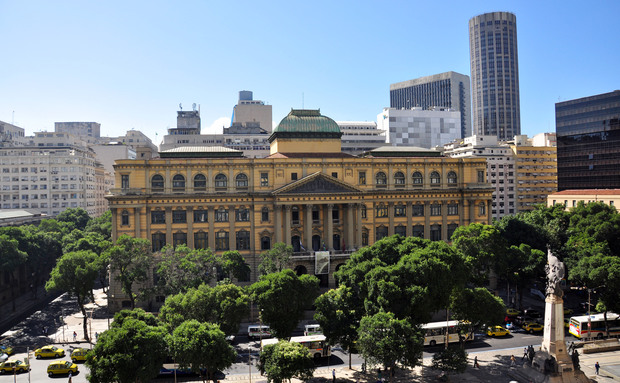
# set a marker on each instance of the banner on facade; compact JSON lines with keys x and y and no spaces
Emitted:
{"x":321,"y":262}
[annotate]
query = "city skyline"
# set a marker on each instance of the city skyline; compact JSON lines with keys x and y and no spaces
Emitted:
{"x":128,"y":66}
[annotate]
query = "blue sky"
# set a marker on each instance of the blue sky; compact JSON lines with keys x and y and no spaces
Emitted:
{"x":128,"y":64}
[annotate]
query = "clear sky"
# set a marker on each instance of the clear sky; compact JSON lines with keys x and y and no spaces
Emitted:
{"x":128,"y":64}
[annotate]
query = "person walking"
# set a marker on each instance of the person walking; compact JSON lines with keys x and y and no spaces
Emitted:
{"x":524,"y":353}
{"x":74,"y":336}
{"x":512,"y":361}
{"x":476,"y":365}
{"x":596,"y":367}
{"x":334,"y":375}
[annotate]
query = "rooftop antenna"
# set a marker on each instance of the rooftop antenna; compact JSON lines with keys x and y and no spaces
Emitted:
{"x":194,"y":107}
{"x":180,"y":106}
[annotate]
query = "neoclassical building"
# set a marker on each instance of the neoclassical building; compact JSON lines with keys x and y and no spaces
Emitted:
{"x":307,"y":193}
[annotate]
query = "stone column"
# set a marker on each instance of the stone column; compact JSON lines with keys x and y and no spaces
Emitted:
{"x":390,"y":218}
{"x":211,"y":219}
{"x":308,"y":228}
{"x":427,"y":220}
{"x":444,"y":221}
{"x":330,"y":227}
{"x":409,"y":213}
{"x":287,"y":224}
{"x":114,"y":223}
{"x":472,"y":211}
{"x":190,"y":227}
{"x":149,"y":236}
{"x":232,"y":238}
{"x":358,"y":227}
{"x":169,"y":226}
{"x":277,"y":215}
{"x":489,"y":215}
{"x":350,"y":225}
{"x":136,"y":221}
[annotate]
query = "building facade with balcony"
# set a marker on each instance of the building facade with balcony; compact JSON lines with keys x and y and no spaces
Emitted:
{"x":307,"y":193}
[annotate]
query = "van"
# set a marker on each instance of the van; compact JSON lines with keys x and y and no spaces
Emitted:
{"x":256,"y":331}
{"x":313,"y":329}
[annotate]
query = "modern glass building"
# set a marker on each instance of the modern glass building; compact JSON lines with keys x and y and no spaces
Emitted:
{"x":588,"y":136}
{"x":495,"y":75}
{"x":443,"y":90}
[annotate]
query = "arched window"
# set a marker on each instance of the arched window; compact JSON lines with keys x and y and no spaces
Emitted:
{"x":265,"y":243}
{"x":399,"y":178}
{"x":418,"y":179}
{"x":200,"y":182}
{"x":401,"y":230}
{"x":125,"y":218}
{"x":382,"y":210}
{"x":381,"y":233}
{"x":157,"y":183}
{"x":381,"y":179}
{"x":221,"y":240}
{"x":243,"y":240}
{"x":178,"y":182}
{"x":201,"y":240}
{"x":241,"y":181}
{"x":300,"y":270}
{"x":316,"y":242}
{"x":452,"y":180}
{"x":435,"y":178}
{"x":221,"y":181}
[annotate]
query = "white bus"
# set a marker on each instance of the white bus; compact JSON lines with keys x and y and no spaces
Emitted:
{"x":317,"y":344}
{"x":579,"y":326}
{"x":256,"y":331}
{"x":435,"y":333}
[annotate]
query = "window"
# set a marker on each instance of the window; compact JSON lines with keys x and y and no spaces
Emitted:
{"x":125,"y":181}
{"x":158,"y":216}
{"x":221,"y":240}
{"x":315,"y":215}
{"x":481,"y":178}
{"x":482,"y":209}
{"x":382,"y":211}
{"x":243,"y":240}
{"x":451,"y":228}
{"x":201,"y":240}
{"x":418,"y":179}
{"x":452,"y":178}
{"x":364,"y":212}
{"x":178,"y":182}
{"x":264,"y":215}
{"x":242,"y":214}
{"x":364,"y":239}
{"x":179,"y":239}
{"x":265,"y":243}
{"x":157,"y":183}
{"x":400,"y":210}
{"x":435,"y":232}
{"x":179,"y":216}
{"x":125,"y":218}
{"x":200,"y":182}
{"x":295,"y":215}
{"x":201,"y":216}
{"x":453,"y":209}
{"x":158,"y":241}
{"x":399,"y":178}
{"x":294,"y":176}
{"x":382,"y":232}
{"x":401,"y":230}
{"x":417,"y":210}
{"x":435,"y":209}
{"x":264,"y":179}
{"x":435,"y":178}
{"x":221,"y":181}
{"x":418,"y":231}
{"x":362,"y":178}
{"x":241,"y":181}
{"x":335,"y":215}
{"x":381,"y":179}
{"x":334,"y":174}
{"x":221,"y":215}
{"x":337,"y":242}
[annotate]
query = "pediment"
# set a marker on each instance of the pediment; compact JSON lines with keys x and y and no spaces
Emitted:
{"x":318,"y":183}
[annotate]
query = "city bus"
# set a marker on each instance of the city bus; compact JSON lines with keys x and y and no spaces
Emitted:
{"x":579,"y":326}
{"x":317,"y":344}
{"x":435,"y":332}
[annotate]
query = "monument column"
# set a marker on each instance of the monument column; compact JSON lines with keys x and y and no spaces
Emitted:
{"x":308,"y":228}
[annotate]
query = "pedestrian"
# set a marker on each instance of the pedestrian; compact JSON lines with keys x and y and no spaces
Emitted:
{"x":69,"y":377}
{"x":74,"y":336}
{"x":524,"y":353}
{"x":596,"y":367}
{"x":512,"y":361}
{"x":96,"y":336}
{"x":334,"y":375}
{"x":476,"y":362}
{"x":45,"y":330}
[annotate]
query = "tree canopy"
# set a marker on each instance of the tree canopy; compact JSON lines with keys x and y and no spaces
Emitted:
{"x":276,"y":259}
{"x":130,"y":262}
{"x":284,"y":361}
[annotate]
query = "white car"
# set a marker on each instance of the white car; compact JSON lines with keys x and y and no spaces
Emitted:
{"x":3,"y":357}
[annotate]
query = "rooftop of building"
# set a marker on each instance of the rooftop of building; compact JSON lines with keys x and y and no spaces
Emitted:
{"x":402,"y":151}
{"x":306,"y":123}
{"x":588,"y":192}
{"x":311,"y":155}
{"x":200,"y":152}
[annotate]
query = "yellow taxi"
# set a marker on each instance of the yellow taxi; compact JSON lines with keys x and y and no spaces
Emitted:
{"x":61,"y":367}
{"x":532,"y":327}
{"x":568,"y":311}
{"x":78,"y":355}
{"x":4,"y":349}
{"x":497,"y":331}
{"x":566,"y":322}
{"x":14,"y":365}
{"x":512,"y":312}
{"x":49,"y":352}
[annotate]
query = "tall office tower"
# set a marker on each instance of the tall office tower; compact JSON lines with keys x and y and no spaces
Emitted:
{"x":588,"y":136}
{"x":443,"y":90}
{"x":251,"y":113}
{"x":495,"y":75}
{"x":417,"y":127}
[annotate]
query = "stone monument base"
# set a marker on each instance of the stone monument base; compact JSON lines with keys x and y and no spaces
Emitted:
{"x":545,"y":369}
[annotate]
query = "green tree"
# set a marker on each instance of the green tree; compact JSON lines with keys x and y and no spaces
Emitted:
{"x":11,"y":260}
{"x":131,"y":353}
{"x":234,"y":265}
{"x":603,"y":273}
{"x":130,"y":261}
{"x":477,"y":307}
{"x":520,"y":266}
{"x":81,"y":240}
{"x":339,"y":316}
{"x":225,"y":304}
{"x":283,"y":297}
{"x":76,"y":273}
{"x":183,"y":268}
{"x":201,"y":346}
{"x":101,"y":225}
{"x":137,"y":314}
{"x":284,"y":361}
{"x":453,"y":359}
{"x":276,"y":259}
{"x":385,"y":341}
{"x":480,"y":244}
{"x":76,"y":216}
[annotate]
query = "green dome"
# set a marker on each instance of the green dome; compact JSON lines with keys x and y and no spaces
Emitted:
{"x":306,"y":123}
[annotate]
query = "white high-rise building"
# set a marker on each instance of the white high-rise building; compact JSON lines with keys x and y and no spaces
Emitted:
{"x":360,"y":136}
{"x":418,"y":127}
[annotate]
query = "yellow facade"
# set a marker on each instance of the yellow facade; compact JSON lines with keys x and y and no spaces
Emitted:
{"x":536,"y":176}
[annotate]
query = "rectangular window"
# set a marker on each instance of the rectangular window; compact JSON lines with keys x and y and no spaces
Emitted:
{"x":417,"y":210}
{"x":453,"y":209}
{"x":382,"y":211}
{"x":362,"y":178}
{"x":264,"y":216}
{"x":294,"y":176}
{"x":158,"y":241}
{"x":400,"y":211}
{"x":242,"y":215}
{"x":481,"y":176}
{"x":221,"y":215}
{"x":418,"y":231}
{"x":201,"y":240}
{"x":200,"y":216}
{"x":243,"y":240}
{"x":179,"y":216}
{"x":158,"y":216}
{"x":334,"y":174}
{"x":436,"y":233}
{"x":221,"y":241}
{"x":125,"y":181}
{"x":435,"y":209}
{"x":264,"y":179}
{"x":179,"y":239}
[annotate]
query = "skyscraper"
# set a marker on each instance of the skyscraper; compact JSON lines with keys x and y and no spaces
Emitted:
{"x":495,"y":75}
{"x":443,"y":90}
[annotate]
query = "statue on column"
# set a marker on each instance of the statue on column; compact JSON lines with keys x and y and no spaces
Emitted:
{"x":555,"y":271}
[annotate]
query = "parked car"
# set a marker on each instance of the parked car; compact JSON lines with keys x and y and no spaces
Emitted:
{"x":78,"y":355}
{"x":520,"y":320}
{"x":14,"y":365}
{"x":49,"y":352}
{"x":512,"y":312}
{"x":62,"y":367}
{"x":3,"y":357}
{"x":497,"y":331}
{"x":533,"y":327}
{"x":5,"y":349}
{"x":533,"y":313}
